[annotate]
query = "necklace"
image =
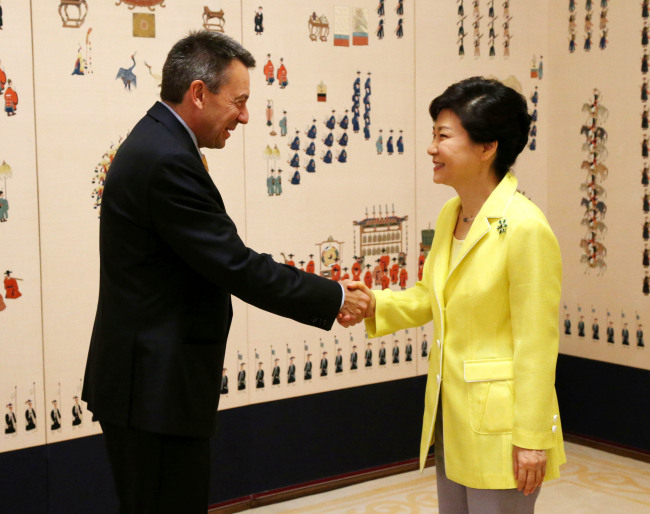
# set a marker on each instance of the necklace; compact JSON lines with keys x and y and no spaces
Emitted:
{"x":468,"y":218}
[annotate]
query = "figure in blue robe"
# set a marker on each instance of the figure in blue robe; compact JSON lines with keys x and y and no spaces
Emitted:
{"x":355,"y":123}
{"x":331,"y":122}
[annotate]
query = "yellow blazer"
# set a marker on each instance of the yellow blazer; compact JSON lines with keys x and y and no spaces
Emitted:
{"x":496,"y":327}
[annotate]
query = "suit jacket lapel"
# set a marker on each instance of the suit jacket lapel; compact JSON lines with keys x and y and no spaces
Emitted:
{"x":444,"y":232}
{"x":495,"y":207}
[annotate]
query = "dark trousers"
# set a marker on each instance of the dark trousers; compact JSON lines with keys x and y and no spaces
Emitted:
{"x":158,"y":473}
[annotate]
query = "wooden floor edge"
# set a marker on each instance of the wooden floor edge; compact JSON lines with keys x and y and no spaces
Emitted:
{"x":300,"y":490}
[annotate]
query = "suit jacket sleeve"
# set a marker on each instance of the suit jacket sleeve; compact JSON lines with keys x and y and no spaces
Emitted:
{"x":535,"y":276}
{"x":396,"y":310}
{"x":189,"y":215}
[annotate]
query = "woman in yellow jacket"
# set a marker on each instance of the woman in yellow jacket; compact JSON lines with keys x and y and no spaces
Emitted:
{"x":491,"y":285}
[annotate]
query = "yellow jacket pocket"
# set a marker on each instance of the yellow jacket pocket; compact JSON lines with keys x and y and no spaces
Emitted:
{"x":490,"y":394}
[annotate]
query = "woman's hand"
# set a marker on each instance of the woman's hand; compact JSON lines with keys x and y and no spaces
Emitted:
{"x":529,"y":467}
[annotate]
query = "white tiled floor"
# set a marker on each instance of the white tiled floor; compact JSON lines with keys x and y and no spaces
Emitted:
{"x":592,"y":482}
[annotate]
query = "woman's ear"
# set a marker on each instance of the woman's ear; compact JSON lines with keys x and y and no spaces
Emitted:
{"x":489,"y":150}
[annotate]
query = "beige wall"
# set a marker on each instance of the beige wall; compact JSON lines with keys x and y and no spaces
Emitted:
{"x":67,"y":123}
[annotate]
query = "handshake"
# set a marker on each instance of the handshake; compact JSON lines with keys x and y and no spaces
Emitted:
{"x":359,"y":303}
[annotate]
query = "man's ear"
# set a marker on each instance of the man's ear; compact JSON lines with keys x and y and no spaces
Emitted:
{"x":196,"y":92}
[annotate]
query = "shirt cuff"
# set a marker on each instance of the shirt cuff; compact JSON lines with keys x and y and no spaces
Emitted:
{"x":343,"y":297}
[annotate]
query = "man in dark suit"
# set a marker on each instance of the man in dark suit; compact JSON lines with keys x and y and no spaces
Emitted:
{"x":170,"y":258}
{"x":396,"y":351}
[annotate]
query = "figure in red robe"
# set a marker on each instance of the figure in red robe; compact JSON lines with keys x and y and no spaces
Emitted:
{"x":403,"y":277}
{"x":385,"y":281}
{"x":377,"y":272}
{"x":421,"y":260}
{"x":346,"y":275}
{"x":11,"y":100}
{"x":356,"y":269}
{"x":336,"y":271}
{"x":282,"y":75}
{"x":367,"y":278}
{"x":11,"y":286}
{"x":268,"y":70}
{"x":394,"y":271}
{"x":311,"y":267}
{"x":384,"y":261}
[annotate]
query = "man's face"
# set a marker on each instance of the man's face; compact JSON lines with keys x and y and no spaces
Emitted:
{"x":222,"y":112}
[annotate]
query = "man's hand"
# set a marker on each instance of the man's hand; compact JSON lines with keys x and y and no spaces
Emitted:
{"x":359,"y":303}
{"x":529,"y":467}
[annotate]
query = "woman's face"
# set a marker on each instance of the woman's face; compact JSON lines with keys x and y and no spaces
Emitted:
{"x":456,"y":158}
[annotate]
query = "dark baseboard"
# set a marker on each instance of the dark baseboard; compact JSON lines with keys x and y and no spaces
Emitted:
{"x":606,"y":446}
{"x":329,"y":484}
{"x":316,"y":487}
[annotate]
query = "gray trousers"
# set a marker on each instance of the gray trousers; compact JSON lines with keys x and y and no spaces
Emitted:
{"x":454,"y":498}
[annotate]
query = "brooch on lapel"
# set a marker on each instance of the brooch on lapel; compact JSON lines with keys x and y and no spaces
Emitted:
{"x":502,"y":225}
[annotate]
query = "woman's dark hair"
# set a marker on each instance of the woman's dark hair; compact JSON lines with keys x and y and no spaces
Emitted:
{"x":489,"y":111}
{"x":203,"y":55}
